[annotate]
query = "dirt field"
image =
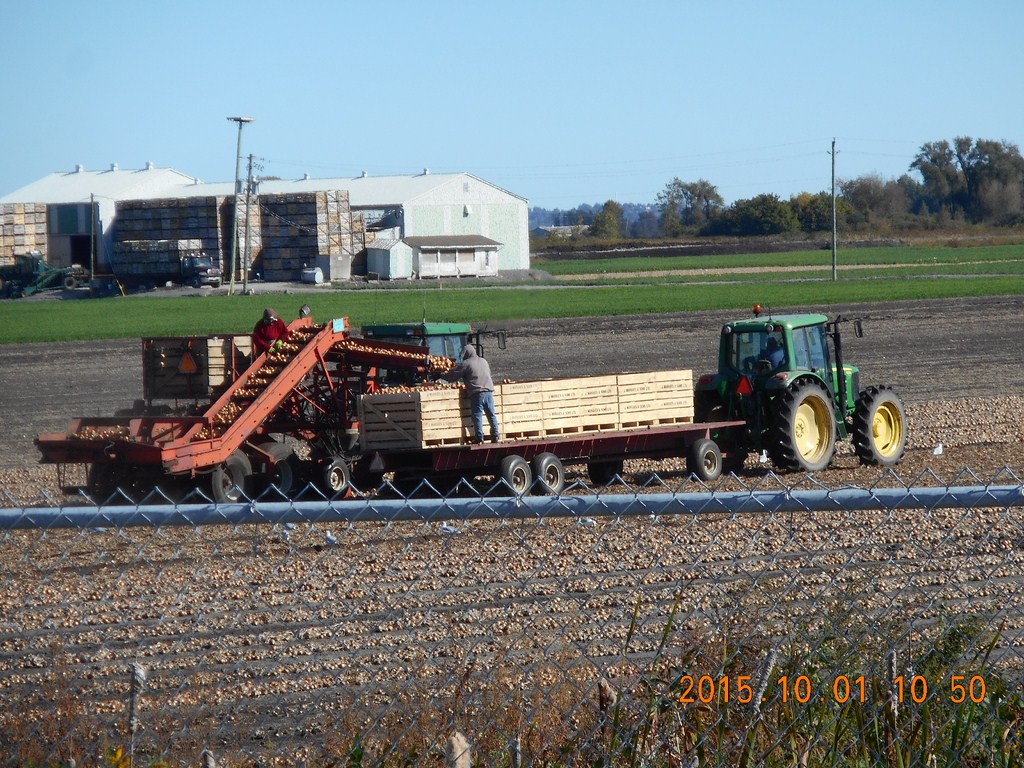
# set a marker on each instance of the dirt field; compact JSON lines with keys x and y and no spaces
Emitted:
{"x":931,"y":352}
{"x":259,"y":641}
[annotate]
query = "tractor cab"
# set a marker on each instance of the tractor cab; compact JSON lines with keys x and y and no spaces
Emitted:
{"x":785,"y":377}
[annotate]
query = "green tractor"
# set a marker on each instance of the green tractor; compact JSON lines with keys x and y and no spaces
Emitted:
{"x":784,"y":377}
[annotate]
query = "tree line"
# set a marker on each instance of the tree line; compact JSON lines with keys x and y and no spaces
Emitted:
{"x":964,"y":181}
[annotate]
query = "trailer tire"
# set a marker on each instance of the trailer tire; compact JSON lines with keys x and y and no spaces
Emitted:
{"x":516,"y":474}
{"x":604,"y":472}
{"x":548,"y":474}
{"x":336,"y":479}
{"x":231,"y":481}
{"x":704,"y":460}
{"x":879,"y":427}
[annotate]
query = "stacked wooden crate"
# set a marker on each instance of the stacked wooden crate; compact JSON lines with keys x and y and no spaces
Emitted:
{"x":299,"y":229}
{"x":169,"y":220}
{"x":192,"y":367}
{"x":22,"y":229}
{"x":153,"y":258}
{"x":530,"y":409}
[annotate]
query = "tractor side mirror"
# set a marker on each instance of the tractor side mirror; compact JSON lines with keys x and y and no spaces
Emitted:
{"x":501,"y":339}
{"x":858,"y":329}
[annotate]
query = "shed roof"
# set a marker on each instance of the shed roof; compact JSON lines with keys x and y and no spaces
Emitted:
{"x":113,"y":184}
{"x":155,"y":183}
{"x":445,"y":242}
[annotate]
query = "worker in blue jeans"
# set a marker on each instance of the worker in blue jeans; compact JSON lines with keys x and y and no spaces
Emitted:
{"x":475,"y":373}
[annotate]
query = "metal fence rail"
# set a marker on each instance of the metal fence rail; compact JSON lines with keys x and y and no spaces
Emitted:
{"x":791,"y":625}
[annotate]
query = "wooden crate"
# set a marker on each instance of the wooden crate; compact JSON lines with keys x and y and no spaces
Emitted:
{"x":529,"y":409}
{"x":655,"y":398}
{"x":520,"y":410}
{"x":421,"y":419}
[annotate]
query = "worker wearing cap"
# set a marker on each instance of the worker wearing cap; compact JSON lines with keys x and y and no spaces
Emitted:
{"x":269,"y":332}
{"x":475,"y":372}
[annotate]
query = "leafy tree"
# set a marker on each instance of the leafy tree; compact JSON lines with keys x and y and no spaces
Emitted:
{"x":977,"y":180}
{"x":687,"y":204}
{"x":608,"y":223}
{"x":762,"y":215}
{"x":814,"y":212}
{"x":646,"y":225}
{"x":871,"y":199}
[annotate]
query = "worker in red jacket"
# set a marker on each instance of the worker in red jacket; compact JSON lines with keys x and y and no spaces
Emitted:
{"x":269,"y":332}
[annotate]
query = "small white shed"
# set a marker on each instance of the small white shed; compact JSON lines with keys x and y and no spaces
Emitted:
{"x":389,"y":259}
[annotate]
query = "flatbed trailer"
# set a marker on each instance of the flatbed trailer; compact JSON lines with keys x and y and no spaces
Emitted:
{"x":537,"y":464}
{"x":308,"y":395}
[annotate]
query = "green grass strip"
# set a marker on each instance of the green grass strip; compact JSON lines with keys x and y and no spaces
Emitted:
{"x":25,"y":320}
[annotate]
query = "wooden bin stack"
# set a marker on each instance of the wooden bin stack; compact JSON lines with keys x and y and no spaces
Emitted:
{"x":530,"y":409}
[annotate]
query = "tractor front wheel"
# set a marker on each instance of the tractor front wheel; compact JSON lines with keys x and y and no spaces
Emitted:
{"x":803,"y":437}
{"x":879,"y":427}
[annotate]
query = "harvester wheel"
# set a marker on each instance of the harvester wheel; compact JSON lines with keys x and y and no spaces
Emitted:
{"x":803,"y":437}
{"x":282,"y":474}
{"x":604,"y":472}
{"x":879,"y":427}
{"x":231,"y":481}
{"x":336,"y":478}
{"x":102,"y":482}
{"x":516,"y":473}
{"x":549,"y":475}
{"x":704,"y":460}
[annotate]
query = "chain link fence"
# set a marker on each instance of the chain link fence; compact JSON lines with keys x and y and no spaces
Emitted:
{"x":784,"y":624}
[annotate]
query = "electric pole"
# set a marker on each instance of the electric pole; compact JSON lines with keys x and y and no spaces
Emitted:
{"x":234,"y":208}
{"x":833,"y":153}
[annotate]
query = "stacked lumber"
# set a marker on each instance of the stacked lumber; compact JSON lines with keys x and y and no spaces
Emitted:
{"x":530,"y":409}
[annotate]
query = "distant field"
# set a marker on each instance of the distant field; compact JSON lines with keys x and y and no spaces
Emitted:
{"x":922,"y":273}
{"x":982,"y":259}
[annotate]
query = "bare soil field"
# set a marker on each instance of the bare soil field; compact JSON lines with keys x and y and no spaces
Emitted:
{"x":956,"y":363}
{"x":259,"y":642}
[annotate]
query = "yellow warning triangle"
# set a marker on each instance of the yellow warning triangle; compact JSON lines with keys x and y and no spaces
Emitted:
{"x":187,"y":364}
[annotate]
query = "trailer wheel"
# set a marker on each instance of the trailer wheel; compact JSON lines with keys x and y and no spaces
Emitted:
{"x":549,"y":475}
{"x":704,"y":460}
{"x":604,"y":472}
{"x":879,"y":427}
{"x":516,"y":473}
{"x":70,"y":282}
{"x":231,"y":481}
{"x":336,"y":478}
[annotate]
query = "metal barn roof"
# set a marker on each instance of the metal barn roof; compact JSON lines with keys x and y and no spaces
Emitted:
{"x":113,"y":184}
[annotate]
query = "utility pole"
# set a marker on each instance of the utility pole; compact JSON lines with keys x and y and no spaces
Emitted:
{"x":246,"y":262}
{"x":834,"y":153}
{"x":234,"y":210}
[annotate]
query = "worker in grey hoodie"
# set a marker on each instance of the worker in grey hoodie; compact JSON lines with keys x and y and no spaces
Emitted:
{"x":475,"y":373}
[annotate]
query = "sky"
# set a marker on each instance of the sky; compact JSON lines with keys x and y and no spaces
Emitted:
{"x":557,"y":101}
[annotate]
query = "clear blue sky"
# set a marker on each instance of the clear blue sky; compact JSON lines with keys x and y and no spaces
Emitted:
{"x":560,"y":102}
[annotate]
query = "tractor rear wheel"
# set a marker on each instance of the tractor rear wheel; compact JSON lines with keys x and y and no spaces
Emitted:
{"x":803,"y":437}
{"x":879,"y":427}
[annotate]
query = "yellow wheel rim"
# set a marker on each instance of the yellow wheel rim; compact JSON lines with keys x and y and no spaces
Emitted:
{"x":887,"y":430}
{"x":811,"y":427}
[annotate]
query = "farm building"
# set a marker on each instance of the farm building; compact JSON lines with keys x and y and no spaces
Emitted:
{"x":424,"y":225}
